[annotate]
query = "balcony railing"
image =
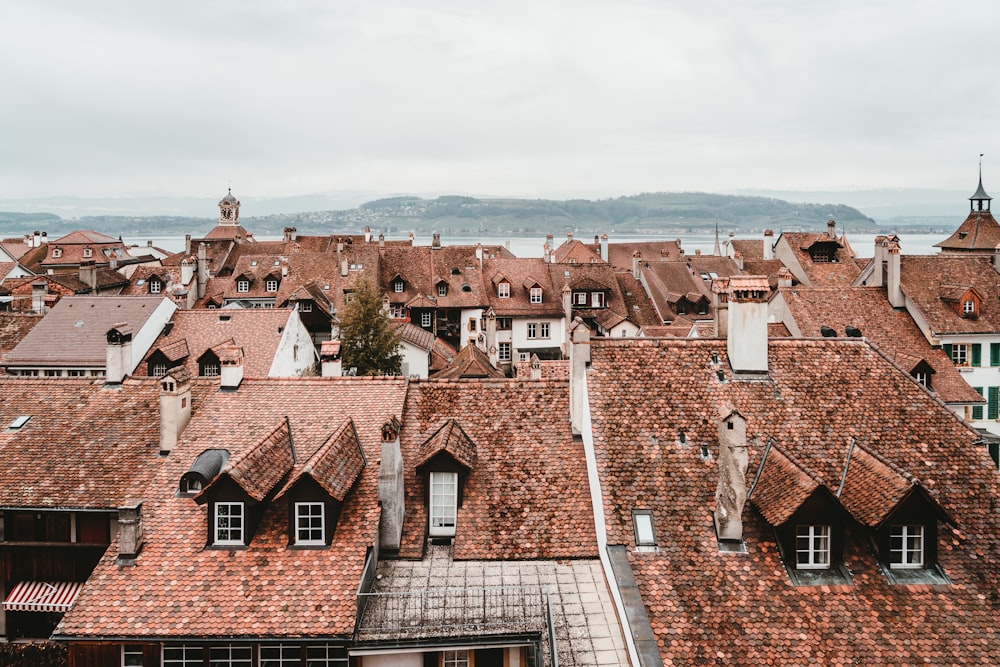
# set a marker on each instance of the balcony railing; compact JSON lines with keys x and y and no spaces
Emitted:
{"x":442,"y":612}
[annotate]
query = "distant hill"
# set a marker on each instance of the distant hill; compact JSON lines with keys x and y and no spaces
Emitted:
{"x":460,"y":215}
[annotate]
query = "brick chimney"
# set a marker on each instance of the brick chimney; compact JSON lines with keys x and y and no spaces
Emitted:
{"x":747,"y":324}
{"x":175,"y":406}
{"x":731,"y":493}
{"x":231,"y":367}
{"x":130,"y":536}
{"x":768,"y":244}
{"x":118,"y":356}
{"x":391,"y":489}
{"x":893,"y":288}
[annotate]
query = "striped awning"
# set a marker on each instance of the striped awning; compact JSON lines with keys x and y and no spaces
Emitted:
{"x":42,"y":596}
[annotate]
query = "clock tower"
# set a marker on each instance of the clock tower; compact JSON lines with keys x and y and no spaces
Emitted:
{"x":229,"y":209}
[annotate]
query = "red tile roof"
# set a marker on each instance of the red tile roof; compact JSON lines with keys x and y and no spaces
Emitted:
{"x":922,"y":277}
{"x":470,"y":362}
{"x":336,"y":465}
{"x":450,"y":439}
{"x":705,"y":606}
{"x":258,"y":469}
{"x":979,"y":232}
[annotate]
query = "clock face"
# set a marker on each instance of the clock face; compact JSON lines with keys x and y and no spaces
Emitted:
{"x":227,"y":214}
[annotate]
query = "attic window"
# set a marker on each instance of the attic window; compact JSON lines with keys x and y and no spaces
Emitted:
{"x":155,"y":286}
{"x":277,"y":262}
{"x":503,"y":290}
{"x":812,"y":547}
{"x":18,"y":422}
{"x":962,"y":235}
{"x":442,"y":289}
{"x":88,"y":252}
{"x":466,"y":287}
{"x":968,"y":307}
{"x":536,"y":295}
{"x":271,"y":285}
{"x":397,"y":285}
{"x":242,"y":285}
{"x":906,"y":547}
{"x":645,"y":534}
{"x":253,"y":262}
{"x":56,"y":253}
{"x":456,"y":272}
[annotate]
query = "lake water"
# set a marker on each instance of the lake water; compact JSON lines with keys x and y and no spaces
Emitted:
{"x":863,"y":244}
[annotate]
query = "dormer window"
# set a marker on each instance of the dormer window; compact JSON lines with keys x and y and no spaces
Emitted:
{"x":579,"y":298}
{"x":242,"y":285}
{"x":812,"y":547}
{"x":503,"y":290}
{"x":535,"y":295}
{"x":228,"y":523}
{"x":597,"y":300}
{"x":443,"y":503}
{"x":398,"y":285}
{"x":56,"y":253}
{"x":442,"y":289}
{"x":155,"y":286}
{"x":906,"y":547}
{"x":271,"y":285}
{"x":310,"y":524}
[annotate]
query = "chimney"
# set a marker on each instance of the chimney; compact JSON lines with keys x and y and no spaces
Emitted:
{"x":118,"y":354}
{"x":343,"y":268}
{"x":88,"y":273}
{"x":895,"y":292}
{"x":291,"y":234}
{"x":37,"y":240}
{"x":368,"y":234}
{"x":329,"y":357}
{"x":720,"y":303}
{"x":738,"y":260}
{"x":878,"y":261}
{"x":536,"y":368}
{"x":187,"y":245}
{"x":784,"y":277}
{"x":579,"y":361}
{"x":411,"y":238}
{"x":604,"y":247}
{"x":187,"y":272}
{"x":231,"y":367}
{"x":175,"y":406}
{"x":45,"y":238}
{"x":731,"y":494}
{"x":39,"y":288}
{"x":747,"y":324}
{"x":130,"y":530}
{"x":436,"y":240}
{"x":569,"y":236}
{"x":547,"y":253}
{"x":768,"y":244}
{"x":996,"y":258}
{"x":113,"y":260}
{"x":491,"y":335}
{"x":636,"y":258}
{"x":202,"y":269}
{"x":340,"y":247}
{"x":391,"y":491}
{"x":831,"y":229}
{"x":381,"y":240}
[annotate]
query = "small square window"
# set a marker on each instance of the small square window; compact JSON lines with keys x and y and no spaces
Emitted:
{"x":960,"y":354}
{"x":906,"y":546}
{"x":812,"y":547}
{"x":305,"y":306}
{"x":228,"y":524}
{"x":397,"y":286}
{"x":309,"y":523}
{"x":155,"y":286}
{"x":242,"y":285}
{"x":455,"y":659}
{"x":271,"y":285}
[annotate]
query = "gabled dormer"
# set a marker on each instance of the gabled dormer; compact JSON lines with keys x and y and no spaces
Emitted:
{"x":317,"y":493}
{"x":238,"y":495}
{"x":965,"y":300}
{"x":397,"y":284}
{"x":502,"y":286}
{"x":534,"y":289}
{"x":271,"y":281}
{"x":441,"y":288}
{"x":901,"y":517}
{"x":244,"y":281}
{"x":166,"y":357}
{"x":444,"y":462}
{"x":824,"y":250}
{"x":809,"y":522}
{"x":156,"y":284}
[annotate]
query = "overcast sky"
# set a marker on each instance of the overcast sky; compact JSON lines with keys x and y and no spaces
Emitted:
{"x":582,"y":98}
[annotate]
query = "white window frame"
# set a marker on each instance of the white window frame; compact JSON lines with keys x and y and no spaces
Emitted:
{"x":960,"y":354}
{"x":155,"y":286}
{"x":211,"y":370}
{"x":130,"y":652}
{"x":305,"y":306}
{"x":812,"y":547}
{"x":397,"y":311}
{"x":310,"y":521}
{"x":425,"y":319}
{"x":968,"y":306}
{"x":535,"y":295}
{"x":397,"y":285}
{"x":597,"y":299}
{"x":921,"y":377}
{"x":579,"y":298}
{"x":532,"y":330}
{"x":503,"y":351}
{"x":457,"y":658}
{"x":271,"y":285}
{"x":906,"y":546}
{"x":443,"y":506}
{"x":185,"y":655}
{"x":442,"y":289}
{"x":544,"y":329}
{"x":503,"y":290}
{"x":645,"y":532}
{"x":242,"y":285}
{"x":224,"y":534}
{"x":159,"y":370}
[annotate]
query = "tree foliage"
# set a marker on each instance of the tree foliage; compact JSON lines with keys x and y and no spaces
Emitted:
{"x":368,"y":341}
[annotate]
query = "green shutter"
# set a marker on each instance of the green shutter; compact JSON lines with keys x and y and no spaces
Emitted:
{"x":977,"y":354}
{"x":977,"y":410}
{"x":947,"y":350}
{"x":994,"y":354}
{"x":993,"y":403}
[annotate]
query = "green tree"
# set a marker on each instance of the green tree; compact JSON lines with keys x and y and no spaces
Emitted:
{"x":368,"y":341}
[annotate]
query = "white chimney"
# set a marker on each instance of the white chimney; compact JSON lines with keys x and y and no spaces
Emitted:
{"x":536,"y":368}
{"x":187,"y":244}
{"x":768,"y":244}
{"x":391,"y":489}
{"x":579,"y":361}
{"x":343,"y":268}
{"x":329,"y":357}
{"x":231,"y":367}
{"x":118,"y":355}
{"x":996,"y":258}
{"x":878,"y":262}
{"x":784,"y":277}
{"x":636,"y":259}
{"x":175,"y":406}
{"x":604,"y":247}
{"x":895,"y":291}
{"x":436,"y":240}
{"x":187,"y":272}
{"x":39,"y":289}
{"x":202,"y":269}
{"x":747,"y":324}
{"x":368,"y":234}
{"x":731,"y":493}
{"x":88,"y":273}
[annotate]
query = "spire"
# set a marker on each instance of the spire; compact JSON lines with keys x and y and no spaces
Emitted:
{"x":718,"y":249}
{"x":980,"y":195}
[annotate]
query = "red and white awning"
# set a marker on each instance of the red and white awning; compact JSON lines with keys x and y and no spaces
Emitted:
{"x":42,"y":596}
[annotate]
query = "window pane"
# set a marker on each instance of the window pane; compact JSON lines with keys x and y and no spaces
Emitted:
{"x":906,"y":546}
{"x":812,"y":547}
{"x":644,"y":530}
{"x":444,"y":500}
{"x":309,"y":523}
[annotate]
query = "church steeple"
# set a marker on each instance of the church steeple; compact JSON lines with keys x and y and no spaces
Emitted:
{"x":980,"y":196}
{"x":229,"y":209}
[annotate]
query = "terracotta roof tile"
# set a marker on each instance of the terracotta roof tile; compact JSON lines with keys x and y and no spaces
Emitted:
{"x":259,"y":469}
{"x":336,"y":465}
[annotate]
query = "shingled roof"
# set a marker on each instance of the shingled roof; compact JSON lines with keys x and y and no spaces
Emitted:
{"x":336,"y":465}
{"x":705,"y":606}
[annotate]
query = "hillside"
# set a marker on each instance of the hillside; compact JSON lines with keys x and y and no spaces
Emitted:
{"x":459,"y":215}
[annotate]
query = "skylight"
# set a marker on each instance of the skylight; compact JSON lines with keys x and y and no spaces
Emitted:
{"x":19,"y":422}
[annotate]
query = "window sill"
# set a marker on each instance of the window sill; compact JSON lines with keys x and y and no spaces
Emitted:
{"x":933,"y":576}
{"x":836,"y":575}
